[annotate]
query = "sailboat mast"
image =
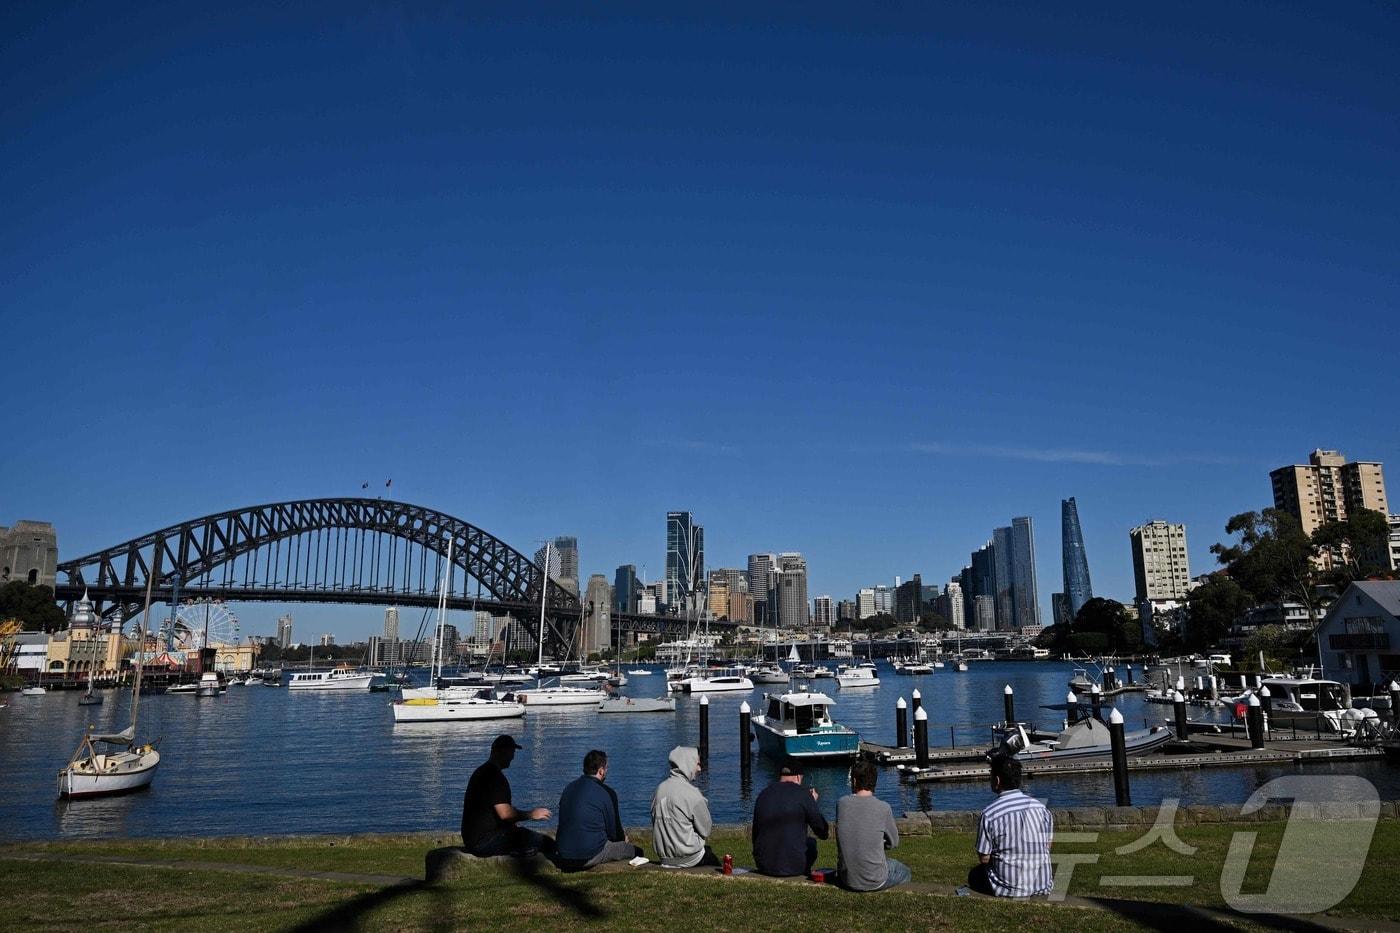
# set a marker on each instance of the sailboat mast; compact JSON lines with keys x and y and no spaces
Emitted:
{"x":435,"y":669}
{"x":141,"y":632}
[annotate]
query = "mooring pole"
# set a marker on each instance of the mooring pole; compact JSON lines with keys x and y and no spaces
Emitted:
{"x":1266,"y":707}
{"x":1255,"y":718}
{"x":1394,"y":702}
{"x":921,"y":737}
{"x":1072,"y":707}
{"x":705,"y":730}
{"x":745,"y":717}
{"x":901,"y":724}
{"x":1179,"y":707}
{"x":1009,"y":701}
{"x":1121,"y":792}
{"x":918,"y":699}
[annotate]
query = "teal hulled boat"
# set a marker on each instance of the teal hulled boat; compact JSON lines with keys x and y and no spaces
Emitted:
{"x":799,"y":725}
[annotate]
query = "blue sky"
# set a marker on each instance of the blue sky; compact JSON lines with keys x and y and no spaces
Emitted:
{"x":859,"y":283}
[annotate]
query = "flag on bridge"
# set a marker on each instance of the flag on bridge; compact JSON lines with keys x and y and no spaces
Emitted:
{"x":388,"y":484}
{"x":364,"y":485}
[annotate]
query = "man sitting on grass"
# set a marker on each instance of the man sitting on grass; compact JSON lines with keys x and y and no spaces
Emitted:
{"x":489,"y":820}
{"x":1013,"y":838}
{"x":590,"y":826}
{"x":783,"y":813}
{"x":864,"y":830}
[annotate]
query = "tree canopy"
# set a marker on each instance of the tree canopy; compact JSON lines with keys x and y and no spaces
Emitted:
{"x":32,"y":605}
{"x":1272,"y":560}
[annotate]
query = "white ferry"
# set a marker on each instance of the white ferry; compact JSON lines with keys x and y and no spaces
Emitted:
{"x":337,"y":679}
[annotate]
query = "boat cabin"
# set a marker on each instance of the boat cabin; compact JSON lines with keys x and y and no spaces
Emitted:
{"x":800,"y":713}
{"x":1306,"y":694}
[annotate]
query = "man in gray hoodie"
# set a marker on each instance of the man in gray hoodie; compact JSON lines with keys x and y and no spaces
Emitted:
{"x":680,"y":817}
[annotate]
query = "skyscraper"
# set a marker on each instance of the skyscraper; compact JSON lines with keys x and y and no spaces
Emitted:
{"x":1025,"y":602}
{"x":685,"y":561}
{"x":792,"y":591}
{"x":865,"y":603}
{"x":391,"y":623}
{"x":983,"y":583}
{"x":284,"y":632}
{"x":1078,"y":590}
{"x":566,"y":546}
{"x":822,"y":612}
{"x":762,"y":574}
{"x":1001,"y":568}
{"x":1160,"y":569}
{"x":953,"y":607}
{"x":625,"y":589}
{"x":985,"y":612}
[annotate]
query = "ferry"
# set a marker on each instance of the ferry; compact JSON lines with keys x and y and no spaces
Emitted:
{"x":340,"y":678}
{"x":799,"y":725}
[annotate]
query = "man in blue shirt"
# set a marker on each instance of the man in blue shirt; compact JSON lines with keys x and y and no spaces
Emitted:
{"x":590,"y":825}
{"x":783,"y":813}
{"x":1013,"y":838}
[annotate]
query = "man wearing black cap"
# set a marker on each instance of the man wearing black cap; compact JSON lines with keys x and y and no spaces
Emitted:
{"x":489,"y":819}
{"x":781,"y":816}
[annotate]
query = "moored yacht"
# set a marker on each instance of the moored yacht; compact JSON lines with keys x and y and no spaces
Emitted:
{"x":798,"y":724}
{"x":340,"y":678}
{"x":857,"y":675}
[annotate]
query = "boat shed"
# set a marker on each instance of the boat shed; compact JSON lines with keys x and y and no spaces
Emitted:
{"x":1358,"y":641}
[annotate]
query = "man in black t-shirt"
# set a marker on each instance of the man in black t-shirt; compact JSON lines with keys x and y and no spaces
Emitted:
{"x":489,"y":819}
{"x":781,"y":817}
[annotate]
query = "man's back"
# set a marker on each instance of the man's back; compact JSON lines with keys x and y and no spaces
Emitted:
{"x":781,"y":817}
{"x":488,"y":786}
{"x":588,"y":818}
{"x":863,"y":825}
{"x":1016,"y":831}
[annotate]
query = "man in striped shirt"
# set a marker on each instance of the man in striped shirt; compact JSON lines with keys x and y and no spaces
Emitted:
{"x":1013,"y":838}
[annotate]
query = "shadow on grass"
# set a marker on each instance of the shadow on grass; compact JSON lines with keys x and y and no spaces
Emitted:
{"x":352,"y":914}
{"x":1177,"y":917}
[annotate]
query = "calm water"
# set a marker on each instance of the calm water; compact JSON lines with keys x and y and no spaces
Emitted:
{"x":258,"y":760}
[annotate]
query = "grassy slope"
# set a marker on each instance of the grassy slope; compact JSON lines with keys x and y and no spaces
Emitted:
{"x":63,"y":895}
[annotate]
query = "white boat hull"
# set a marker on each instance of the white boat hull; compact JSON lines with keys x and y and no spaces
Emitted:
{"x":716,"y":684}
{"x":559,"y":697}
{"x":638,"y":705}
{"x":858,"y":681}
{"x":347,"y":682}
{"x":119,"y":773}
{"x":452,"y":709}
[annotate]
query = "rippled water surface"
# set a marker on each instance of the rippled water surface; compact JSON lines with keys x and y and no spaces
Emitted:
{"x":258,"y":760}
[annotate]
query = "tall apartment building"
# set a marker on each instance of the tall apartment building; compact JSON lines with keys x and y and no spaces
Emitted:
{"x":391,"y":623}
{"x":1328,"y":488}
{"x":952,"y":606}
{"x":884,"y":599}
{"x":1394,"y":522}
{"x":685,"y":561}
{"x":763,"y":575}
{"x":865,"y":603}
{"x":1078,"y":590}
{"x":1025,"y":603}
{"x":846,"y":611}
{"x":792,"y":591}
{"x":1001,"y":571}
{"x":909,"y":601}
{"x":823,"y":612}
{"x":718,"y":604}
{"x":984,"y":613}
{"x":625,"y":589}
{"x":566,"y":546}
{"x":1160,"y":568}
{"x":741,"y":608}
{"x":284,"y":632}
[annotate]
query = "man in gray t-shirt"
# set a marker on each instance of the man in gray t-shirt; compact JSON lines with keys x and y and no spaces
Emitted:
{"x":864,"y":830}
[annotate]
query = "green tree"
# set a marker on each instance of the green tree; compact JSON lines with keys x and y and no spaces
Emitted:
{"x":1212,"y":608}
{"x":1104,"y":625}
{"x":1272,"y":560}
{"x":1360,"y":546}
{"x":33,"y":606}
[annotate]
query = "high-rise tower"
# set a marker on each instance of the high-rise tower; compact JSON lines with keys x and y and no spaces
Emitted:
{"x":1025,"y":603}
{"x":1078,"y":590}
{"x":685,"y":561}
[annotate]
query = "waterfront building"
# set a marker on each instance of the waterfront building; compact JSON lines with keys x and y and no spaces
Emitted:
{"x":1328,"y":489}
{"x":865,"y":603}
{"x":284,"y":632}
{"x":29,"y":552}
{"x":391,"y":622}
{"x":1078,"y":589}
{"x":625,"y":589}
{"x":685,"y":562}
{"x":823,"y":615}
{"x":792,"y":591}
{"x":1359,"y":638}
{"x":985,"y":613}
{"x":1160,"y":567}
{"x":1025,"y":603}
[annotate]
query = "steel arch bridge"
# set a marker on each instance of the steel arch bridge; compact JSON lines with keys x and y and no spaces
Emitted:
{"x":367,"y":551}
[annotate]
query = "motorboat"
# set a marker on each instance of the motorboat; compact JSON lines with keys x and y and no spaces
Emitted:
{"x":340,"y":678}
{"x":857,"y":675}
{"x":1302,"y":701}
{"x":799,"y":725}
{"x":911,"y":667}
{"x":208,"y":685}
{"x":640,"y":673}
{"x":1086,"y":739}
{"x":960,"y":665}
{"x":33,"y":692}
{"x":454,"y":706}
{"x":1081,"y":682}
{"x":621,"y":704}
{"x":716,"y":682}
{"x":191,"y":689}
{"x":768,"y":674}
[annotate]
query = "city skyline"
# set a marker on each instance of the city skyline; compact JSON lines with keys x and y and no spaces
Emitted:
{"x":521,"y":274}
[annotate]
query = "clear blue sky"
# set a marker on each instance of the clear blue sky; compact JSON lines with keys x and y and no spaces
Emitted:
{"x":862,"y":283}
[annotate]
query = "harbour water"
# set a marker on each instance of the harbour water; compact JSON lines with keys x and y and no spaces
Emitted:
{"x":272,"y":761}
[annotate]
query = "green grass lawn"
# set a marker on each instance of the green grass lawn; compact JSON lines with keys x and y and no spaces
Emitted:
{"x":58,"y":895}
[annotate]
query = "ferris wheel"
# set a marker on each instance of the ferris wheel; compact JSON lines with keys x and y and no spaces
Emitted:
{"x":196,"y":618}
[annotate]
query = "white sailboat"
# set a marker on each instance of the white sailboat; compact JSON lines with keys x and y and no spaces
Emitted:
{"x":558,"y":695}
{"x":93,"y":772}
{"x":449,"y":704}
